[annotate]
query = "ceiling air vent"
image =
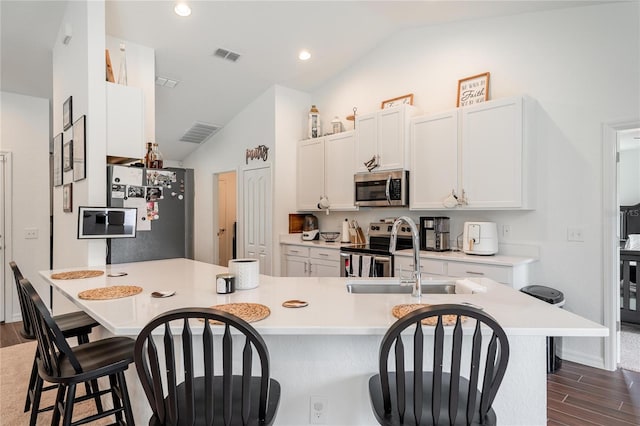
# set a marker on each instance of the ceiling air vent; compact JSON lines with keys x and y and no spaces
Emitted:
{"x":199,"y":132}
{"x":226,"y":54}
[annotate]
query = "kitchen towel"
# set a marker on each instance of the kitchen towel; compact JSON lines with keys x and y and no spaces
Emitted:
{"x":355,"y":264}
{"x":366,"y":266}
{"x":246,"y":271}
{"x":467,"y":286}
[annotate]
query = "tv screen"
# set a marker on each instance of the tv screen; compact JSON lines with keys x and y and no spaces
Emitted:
{"x":107,"y":222}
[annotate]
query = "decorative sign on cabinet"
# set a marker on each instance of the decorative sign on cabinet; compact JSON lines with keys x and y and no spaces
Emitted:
{"x":480,"y":153}
{"x":325,"y":168}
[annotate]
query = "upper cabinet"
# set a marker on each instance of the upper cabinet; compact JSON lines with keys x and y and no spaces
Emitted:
{"x":125,"y":121}
{"x":325,"y":168}
{"x":480,"y":154}
{"x":382,"y":139}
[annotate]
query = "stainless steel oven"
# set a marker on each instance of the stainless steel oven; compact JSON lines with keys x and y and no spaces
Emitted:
{"x":373,"y":259}
{"x":382,"y":189}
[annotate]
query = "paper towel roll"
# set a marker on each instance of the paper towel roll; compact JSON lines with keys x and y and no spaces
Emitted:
{"x":247,"y":273}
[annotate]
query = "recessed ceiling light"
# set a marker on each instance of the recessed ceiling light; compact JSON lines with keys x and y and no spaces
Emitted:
{"x":182,"y":9}
{"x":304,"y":55}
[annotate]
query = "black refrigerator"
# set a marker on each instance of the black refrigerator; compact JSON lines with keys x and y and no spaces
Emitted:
{"x":164,"y":199}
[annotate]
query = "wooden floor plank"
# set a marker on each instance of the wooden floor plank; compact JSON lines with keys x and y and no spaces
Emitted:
{"x":559,"y":416}
{"x":585,"y":415}
{"x":585,"y":396}
{"x":594,"y":390}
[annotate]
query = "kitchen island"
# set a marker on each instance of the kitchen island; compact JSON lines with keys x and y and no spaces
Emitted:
{"x":329,"y":348}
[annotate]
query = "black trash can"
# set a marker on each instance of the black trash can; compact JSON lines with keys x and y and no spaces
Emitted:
{"x":556,"y":298}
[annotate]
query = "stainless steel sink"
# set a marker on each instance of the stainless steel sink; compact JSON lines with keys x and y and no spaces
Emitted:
{"x":393,"y":286}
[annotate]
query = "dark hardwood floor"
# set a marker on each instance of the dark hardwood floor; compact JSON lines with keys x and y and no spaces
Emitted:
{"x":577,"y":395}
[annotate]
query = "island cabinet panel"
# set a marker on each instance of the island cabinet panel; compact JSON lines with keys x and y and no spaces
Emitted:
{"x":125,"y":121}
{"x":502,"y":274}
{"x":403,"y":266}
{"x":325,"y":168}
{"x":301,"y":261}
{"x":482,"y":154}
{"x":384,"y":137}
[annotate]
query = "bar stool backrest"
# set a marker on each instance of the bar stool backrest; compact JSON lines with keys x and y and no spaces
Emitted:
{"x":27,"y":330}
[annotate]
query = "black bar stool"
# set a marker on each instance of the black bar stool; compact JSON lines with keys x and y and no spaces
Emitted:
{"x":211,"y":398}
{"x":74,"y":324}
{"x":67,"y":367}
{"x":435,"y":396}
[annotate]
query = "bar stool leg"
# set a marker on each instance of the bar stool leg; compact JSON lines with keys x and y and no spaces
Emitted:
{"x":35,"y":406}
{"x":115,"y":396}
{"x":128,"y":412}
{"x":68,"y":404}
{"x":32,"y":383}
{"x":57,"y":405}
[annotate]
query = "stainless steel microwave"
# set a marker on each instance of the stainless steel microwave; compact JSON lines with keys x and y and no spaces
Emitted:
{"x":382,"y":189}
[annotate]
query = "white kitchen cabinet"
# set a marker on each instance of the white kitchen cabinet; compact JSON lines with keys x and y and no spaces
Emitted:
{"x":325,"y":168}
{"x":513,"y":272}
{"x":481,"y":152}
{"x":125,"y":121}
{"x":310,"y":173}
{"x":383,"y":136}
{"x":303,"y":261}
{"x":434,"y":159}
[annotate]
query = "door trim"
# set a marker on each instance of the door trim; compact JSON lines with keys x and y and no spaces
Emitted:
{"x":7,"y":278}
{"x":610,"y":253}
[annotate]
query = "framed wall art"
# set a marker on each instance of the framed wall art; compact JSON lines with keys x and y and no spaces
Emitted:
{"x":67,"y":156}
{"x":67,"y":113}
{"x":473,"y":90}
{"x":400,"y":100}
{"x":79,"y":148}
{"x":67,"y":198}
{"x":57,"y":160}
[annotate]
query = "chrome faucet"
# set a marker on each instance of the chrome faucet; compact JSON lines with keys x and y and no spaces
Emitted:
{"x":417,"y":283}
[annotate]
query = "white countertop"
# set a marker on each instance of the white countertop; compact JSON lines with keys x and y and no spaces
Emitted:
{"x":454,"y":256}
{"x":331,"y":310}
{"x":458,"y":256}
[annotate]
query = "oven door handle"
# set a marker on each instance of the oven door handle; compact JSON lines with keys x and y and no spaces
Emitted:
{"x":382,"y":259}
{"x":387,"y":190}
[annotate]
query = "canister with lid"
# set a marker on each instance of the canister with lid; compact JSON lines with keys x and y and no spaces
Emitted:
{"x":225,"y":283}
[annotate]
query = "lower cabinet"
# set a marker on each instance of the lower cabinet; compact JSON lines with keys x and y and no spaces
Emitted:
{"x":301,"y":261}
{"x":516,"y":276}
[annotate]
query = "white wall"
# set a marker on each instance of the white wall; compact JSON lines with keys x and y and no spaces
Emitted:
{"x":141,"y":73}
{"x":225,"y":151}
{"x":581,"y":73}
{"x":25,"y":134}
{"x":78,"y":71}
{"x":292,"y":107}
{"x":629,"y":169}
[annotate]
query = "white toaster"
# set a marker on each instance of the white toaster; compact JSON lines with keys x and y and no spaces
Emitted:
{"x":480,"y":238}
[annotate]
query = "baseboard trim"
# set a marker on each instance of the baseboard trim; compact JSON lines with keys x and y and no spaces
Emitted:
{"x":582,"y":358}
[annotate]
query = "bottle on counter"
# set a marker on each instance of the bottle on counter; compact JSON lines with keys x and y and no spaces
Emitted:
{"x":157,"y":162}
{"x":148,"y":157}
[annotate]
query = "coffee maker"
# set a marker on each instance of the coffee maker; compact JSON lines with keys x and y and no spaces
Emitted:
{"x":310,"y":228}
{"x":434,"y":233}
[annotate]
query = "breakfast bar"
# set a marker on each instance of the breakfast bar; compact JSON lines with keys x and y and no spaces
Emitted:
{"x":328,"y":348}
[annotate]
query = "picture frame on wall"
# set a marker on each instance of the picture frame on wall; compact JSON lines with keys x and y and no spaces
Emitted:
{"x":400,"y":100}
{"x":67,"y":113}
{"x":473,"y":90}
{"x":67,"y":156}
{"x":57,"y":159}
{"x":67,"y":198}
{"x":79,"y":148}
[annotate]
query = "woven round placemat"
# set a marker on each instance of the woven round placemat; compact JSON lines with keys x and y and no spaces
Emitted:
{"x":74,"y":275}
{"x":250,"y":312}
{"x":112,"y":292}
{"x":399,"y":311}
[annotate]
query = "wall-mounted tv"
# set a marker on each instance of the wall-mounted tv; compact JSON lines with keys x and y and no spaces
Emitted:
{"x":107,"y":222}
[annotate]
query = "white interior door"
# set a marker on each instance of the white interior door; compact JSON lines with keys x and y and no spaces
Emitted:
{"x":256,"y":216}
{"x":3,"y":260}
{"x":6,"y":275}
{"x":226,"y":216}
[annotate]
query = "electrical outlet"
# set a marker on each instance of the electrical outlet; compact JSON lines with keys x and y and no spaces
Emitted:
{"x":575,"y":234}
{"x":318,"y":410}
{"x":506,"y":231}
{"x":30,"y":233}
